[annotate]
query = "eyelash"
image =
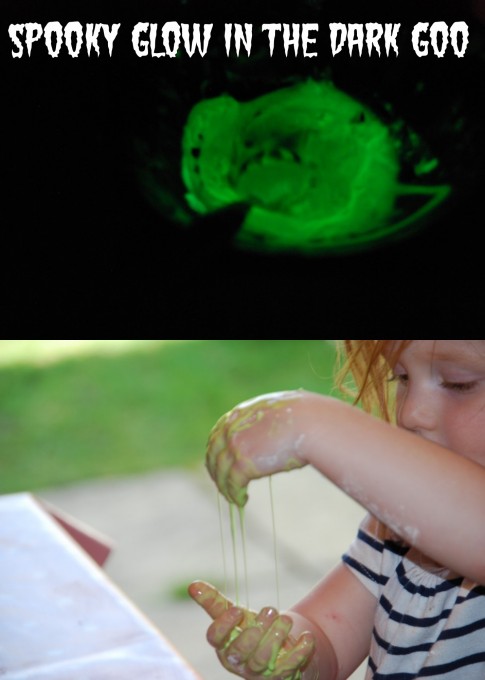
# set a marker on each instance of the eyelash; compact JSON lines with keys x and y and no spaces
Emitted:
{"x":459,"y":387}
{"x":453,"y":386}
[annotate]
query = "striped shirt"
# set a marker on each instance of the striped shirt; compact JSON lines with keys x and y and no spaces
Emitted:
{"x":429,"y":623}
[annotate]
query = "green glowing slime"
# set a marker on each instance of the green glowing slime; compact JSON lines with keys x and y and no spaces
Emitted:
{"x":242,"y":531}
{"x":234,"y":538}
{"x":318,"y":170}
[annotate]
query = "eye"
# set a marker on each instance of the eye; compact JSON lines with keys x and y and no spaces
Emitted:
{"x":400,"y":378}
{"x":459,"y":386}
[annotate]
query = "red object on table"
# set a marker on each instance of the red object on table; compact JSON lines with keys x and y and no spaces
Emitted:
{"x":95,"y":544}
{"x":61,"y":618}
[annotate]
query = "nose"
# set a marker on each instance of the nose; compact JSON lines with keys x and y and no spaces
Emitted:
{"x":416,"y":411}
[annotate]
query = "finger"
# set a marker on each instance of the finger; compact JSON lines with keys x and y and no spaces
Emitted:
{"x":215,"y":445}
{"x":242,"y":470}
{"x":267,"y":652}
{"x":238,"y":478}
{"x":222,"y":471}
{"x":229,"y":468}
{"x":219,"y":455}
{"x":221,"y":631}
{"x":297,"y":657}
{"x":266,"y":617}
{"x":209,"y":598}
{"x":245,"y":644}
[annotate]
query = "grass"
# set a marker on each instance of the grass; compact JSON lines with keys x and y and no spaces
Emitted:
{"x":93,"y":409}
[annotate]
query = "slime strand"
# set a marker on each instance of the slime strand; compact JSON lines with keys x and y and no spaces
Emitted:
{"x":223,"y":545}
{"x":234,"y":551}
{"x":243,"y":543}
{"x":275,"y":545}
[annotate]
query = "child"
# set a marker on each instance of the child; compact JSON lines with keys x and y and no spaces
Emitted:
{"x":409,"y":593}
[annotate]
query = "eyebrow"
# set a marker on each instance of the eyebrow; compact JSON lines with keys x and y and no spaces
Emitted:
{"x":458,"y":356}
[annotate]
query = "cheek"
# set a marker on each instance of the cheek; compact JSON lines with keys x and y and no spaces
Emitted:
{"x":465,"y":433}
{"x":398,"y":404}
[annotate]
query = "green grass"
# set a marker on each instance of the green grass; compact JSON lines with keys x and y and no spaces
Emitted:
{"x":133,"y":407}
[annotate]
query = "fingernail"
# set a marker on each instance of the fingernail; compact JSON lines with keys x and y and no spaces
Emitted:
{"x":234,"y":659}
{"x":307,"y":641}
{"x":195,"y":589}
{"x":269,"y":612}
{"x":286,"y":621}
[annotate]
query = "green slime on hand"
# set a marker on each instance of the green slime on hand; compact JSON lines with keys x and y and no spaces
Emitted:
{"x":243,"y":417}
{"x":237,"y":629}
{"x":318,"y":169}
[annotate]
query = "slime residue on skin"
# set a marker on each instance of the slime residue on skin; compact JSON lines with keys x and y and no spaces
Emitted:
{"x":408,"y":533}
{"x":318,"y":170}
{"x":276,"y":652}
{"x":222,"y":459}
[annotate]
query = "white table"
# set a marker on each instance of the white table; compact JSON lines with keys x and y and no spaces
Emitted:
{"x":61,"y":618}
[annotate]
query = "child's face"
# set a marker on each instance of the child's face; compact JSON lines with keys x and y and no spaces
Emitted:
{"x":441,"y":393}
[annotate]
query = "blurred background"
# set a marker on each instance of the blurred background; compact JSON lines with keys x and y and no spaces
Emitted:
{"x":84,"y":409}
{"x":114,"y":432}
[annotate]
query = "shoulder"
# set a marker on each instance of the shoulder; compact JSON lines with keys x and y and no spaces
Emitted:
{"x":374,"y":554}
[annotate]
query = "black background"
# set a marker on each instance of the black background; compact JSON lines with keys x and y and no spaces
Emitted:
{"x":83,"y":250}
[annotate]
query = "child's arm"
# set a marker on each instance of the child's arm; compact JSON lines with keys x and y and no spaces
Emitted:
{"x":430,"y":496}
{"x":343,"y":610}
{"x":330,"y":631}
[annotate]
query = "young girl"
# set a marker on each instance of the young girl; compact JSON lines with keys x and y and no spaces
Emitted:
{"x":409,"y":593}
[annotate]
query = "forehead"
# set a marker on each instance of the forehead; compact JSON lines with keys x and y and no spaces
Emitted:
{"x":448,"y":351}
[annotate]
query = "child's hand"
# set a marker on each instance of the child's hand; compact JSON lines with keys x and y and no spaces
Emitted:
{"x":257,"y":438}
{"x":254,"y":646}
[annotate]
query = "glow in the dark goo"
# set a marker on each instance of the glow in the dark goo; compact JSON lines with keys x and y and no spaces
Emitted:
{"x":318,"y":169}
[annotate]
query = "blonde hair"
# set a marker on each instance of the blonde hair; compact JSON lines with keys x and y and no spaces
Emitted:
{"x":368,"y":363}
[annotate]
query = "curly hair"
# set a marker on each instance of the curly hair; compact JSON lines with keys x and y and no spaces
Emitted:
{"x":368,"y":364}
